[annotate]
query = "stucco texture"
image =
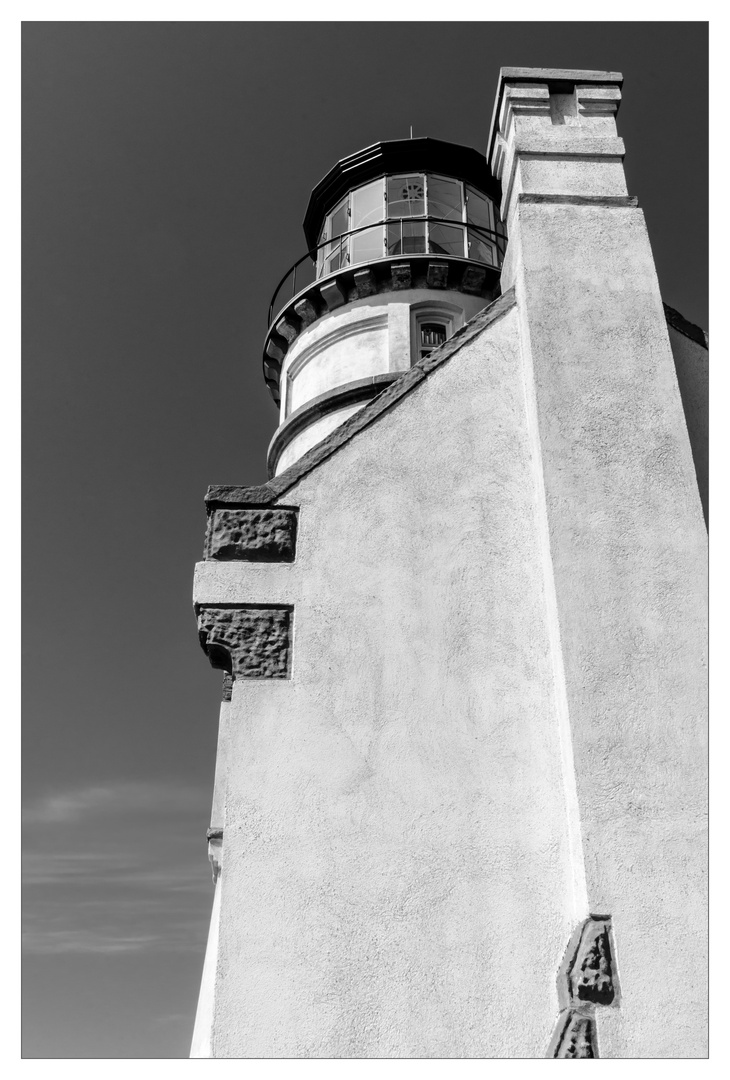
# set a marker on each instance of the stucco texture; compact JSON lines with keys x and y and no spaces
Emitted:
{"x":397,"y":878}
{"x":628,"y":551}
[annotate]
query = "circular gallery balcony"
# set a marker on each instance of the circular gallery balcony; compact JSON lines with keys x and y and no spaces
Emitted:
{"x":396,"y":254}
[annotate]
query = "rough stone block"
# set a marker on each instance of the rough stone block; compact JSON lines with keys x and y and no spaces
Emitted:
{"x":274,"y":351}
{"x":272,"y":371}
{"x":576,"y":1035}
{"x":256,"y":535}
{"x":248,"y":642}
{"x":437,"y":275}
{"x":332,"y":294}
{"x":400,"y":274}
{"x":306,"y":311}
{"x":473,"y":280}
{"x":286,"y":328}
{"x":365,"y":283}
{"x":590,"y":976}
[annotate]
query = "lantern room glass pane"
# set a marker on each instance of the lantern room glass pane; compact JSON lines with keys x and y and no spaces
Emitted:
{"x":367,"y":245}
{"x":445,"y":199}
{"x":406,"y":196}
{"x":480,"y":213}
{"x":479,"y":209}
{"x":446,"y":239}
{"x":321,"y":249}
{"x":340,"y":217}
{"x":480,"y":248}
{"x":367,"y":205}
{"x":336,"y":253}
{"x":407,"y":238}
{"x":367,"y":208}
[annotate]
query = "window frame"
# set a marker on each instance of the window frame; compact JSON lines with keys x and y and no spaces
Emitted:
{"x":324,"y":254}
{"x":440,"y":313}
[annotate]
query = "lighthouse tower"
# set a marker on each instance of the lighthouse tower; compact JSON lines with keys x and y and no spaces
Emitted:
{"x":405,"y":245}
{"x":460,"y":787}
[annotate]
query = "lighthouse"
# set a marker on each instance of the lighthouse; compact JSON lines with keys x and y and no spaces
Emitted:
{"x":460,"y":790}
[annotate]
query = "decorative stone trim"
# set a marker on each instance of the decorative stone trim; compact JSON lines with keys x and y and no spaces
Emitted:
{"x":587,"y":978}
{"x":306,"y":311}
{"x":473,"y":280}
{"x":400,"y":275}
{"x":437,"y":275}
{"x":354,"y":283}
{"x":287,"y":329}
{"x":257,"y":535}
{"x":273,"y":350}
{"x":589,"y":974}
{"x":271,"y":370}
{"x":338,"y":398}
{"x":364,"y":283}
{"x":332,"y":294}
{"x":249,"y":642}
{"x":227,"y":692}
{"x":335,"y":335}
{"x":575,"y":1036}
{"x":595,"y":100}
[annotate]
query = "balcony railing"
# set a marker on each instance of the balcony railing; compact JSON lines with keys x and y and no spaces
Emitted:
{"x":399,"y":237}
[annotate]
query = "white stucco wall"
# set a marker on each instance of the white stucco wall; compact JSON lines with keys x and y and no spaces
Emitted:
{"x":628,"y":548}
{"x":398,"y":877}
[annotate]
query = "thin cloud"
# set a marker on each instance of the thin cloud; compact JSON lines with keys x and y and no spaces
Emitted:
{"x":56,"y":942}
{"x":113,"y":870}
{"x":117,"y":797}
{"x":107,"y":927}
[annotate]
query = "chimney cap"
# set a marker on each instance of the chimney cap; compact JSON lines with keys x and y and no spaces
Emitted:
{"x":556,"y":78}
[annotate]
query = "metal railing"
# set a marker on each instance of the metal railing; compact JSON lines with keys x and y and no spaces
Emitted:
{"x":310,"y":267}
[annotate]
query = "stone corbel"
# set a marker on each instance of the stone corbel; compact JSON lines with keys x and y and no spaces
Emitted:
{"x":576,"y":1035}
{"x":249,"y":642}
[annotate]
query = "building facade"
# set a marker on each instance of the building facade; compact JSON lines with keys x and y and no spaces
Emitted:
{"x":460,"y":792}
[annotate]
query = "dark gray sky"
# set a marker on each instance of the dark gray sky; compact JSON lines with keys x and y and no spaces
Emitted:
{"x":167,"y":167}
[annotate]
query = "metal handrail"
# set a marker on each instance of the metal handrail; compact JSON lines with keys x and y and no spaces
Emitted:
{"x":499,"y":240}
